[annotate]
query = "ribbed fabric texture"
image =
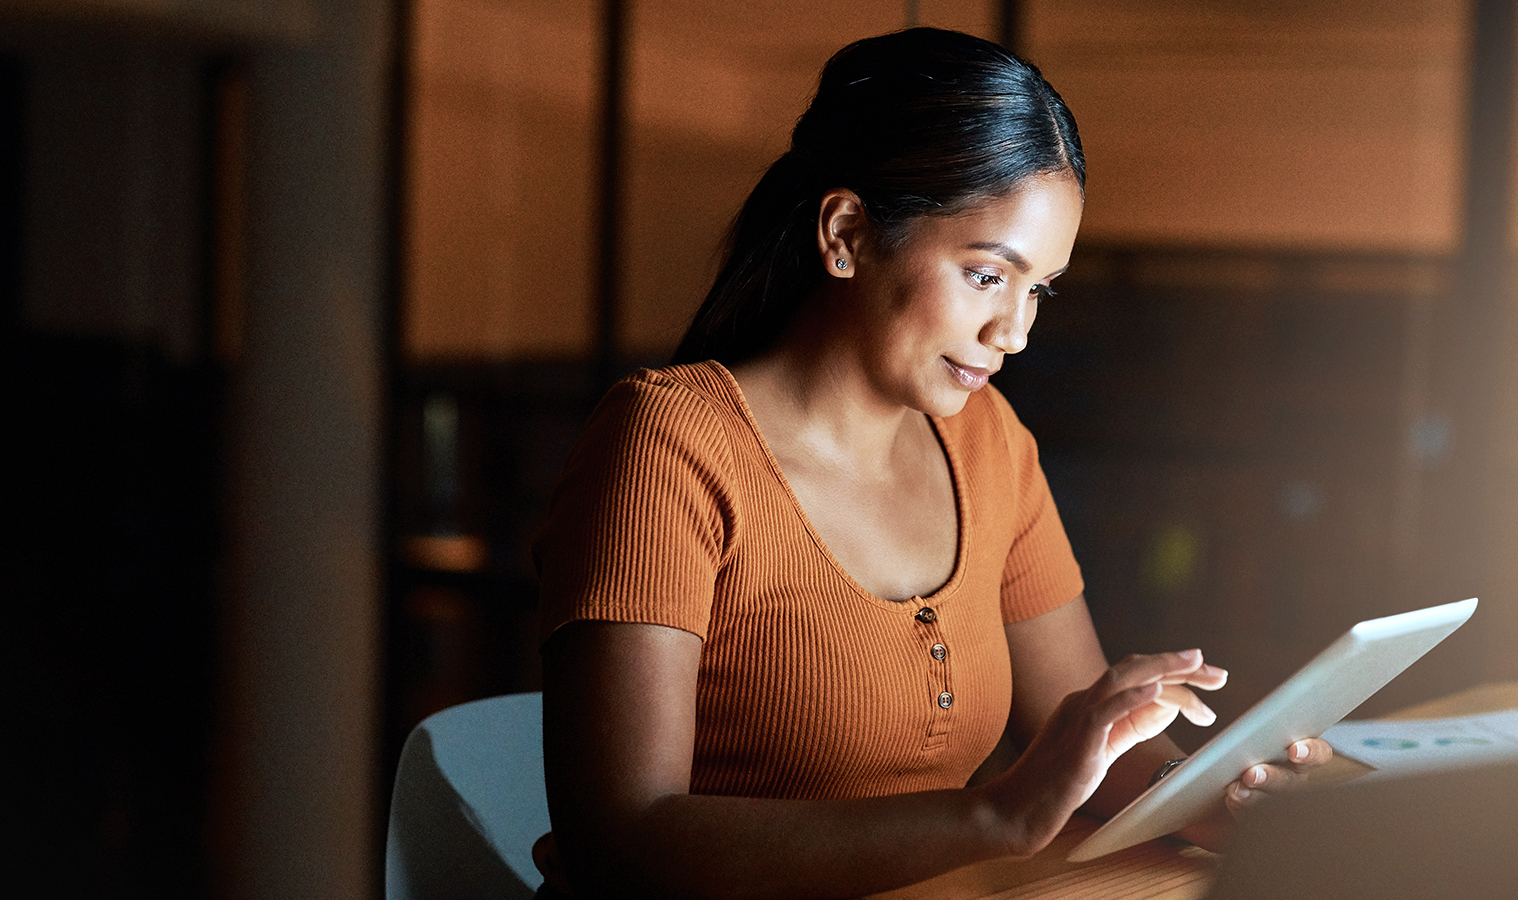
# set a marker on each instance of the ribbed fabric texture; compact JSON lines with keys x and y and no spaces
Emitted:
{"x":672,"y":511}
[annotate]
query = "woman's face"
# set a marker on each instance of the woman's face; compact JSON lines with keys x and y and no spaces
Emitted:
{"x":938,"y":314}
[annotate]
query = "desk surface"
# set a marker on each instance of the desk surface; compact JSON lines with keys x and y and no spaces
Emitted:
{"x":1164,"y":869}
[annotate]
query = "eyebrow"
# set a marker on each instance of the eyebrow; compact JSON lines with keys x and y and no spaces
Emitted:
{"x":1010,"y":255}
{"x":1005,"y":252}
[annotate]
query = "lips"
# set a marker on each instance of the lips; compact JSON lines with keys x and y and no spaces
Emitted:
{"x":971,"y":378}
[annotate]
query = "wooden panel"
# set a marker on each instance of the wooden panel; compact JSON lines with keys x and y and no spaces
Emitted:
{"x":1325,"y":125}
{"x":500,"y":259}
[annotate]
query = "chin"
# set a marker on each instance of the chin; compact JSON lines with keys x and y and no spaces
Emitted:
{"x":945,"y":404}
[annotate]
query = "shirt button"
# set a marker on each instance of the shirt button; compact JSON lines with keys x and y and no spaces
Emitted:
{"x":927,"y":616}
{"x":940,"y":651}
{"x":946,"y":699}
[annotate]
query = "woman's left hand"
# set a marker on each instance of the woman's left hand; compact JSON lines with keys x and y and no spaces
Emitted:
{"x":1253,"y":785}
{"x":1259,"y":781}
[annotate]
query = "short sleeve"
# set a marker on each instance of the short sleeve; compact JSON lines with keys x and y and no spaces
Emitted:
{"x":638,"y":525}
{"x":1041,"y":573}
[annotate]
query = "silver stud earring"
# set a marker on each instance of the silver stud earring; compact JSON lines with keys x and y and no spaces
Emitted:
{"x":841,"y":263}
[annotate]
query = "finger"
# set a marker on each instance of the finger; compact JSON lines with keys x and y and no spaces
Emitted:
{"x":1171,"y":700}
{"x":1264,"y":779}
{"x":1206,"y":677}
{"x":1141,"y":725}
{"x":1237,"y":797}
{"x":1124,"y":703}
{"x":1151,"y":667}
{"x":1309,"y":754}
{"x":1188,"y":703}
{"x":1267,"y":778}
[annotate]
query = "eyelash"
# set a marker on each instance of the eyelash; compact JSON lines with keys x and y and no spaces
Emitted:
{"x":1040,"y":292}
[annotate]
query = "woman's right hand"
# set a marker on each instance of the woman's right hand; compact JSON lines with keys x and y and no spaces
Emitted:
{"x":1068,"y":757}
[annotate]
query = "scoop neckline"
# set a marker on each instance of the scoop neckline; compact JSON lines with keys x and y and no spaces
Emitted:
{"x":909,"y":604}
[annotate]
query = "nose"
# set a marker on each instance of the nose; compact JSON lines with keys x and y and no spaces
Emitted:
{"x":1007,"y":331}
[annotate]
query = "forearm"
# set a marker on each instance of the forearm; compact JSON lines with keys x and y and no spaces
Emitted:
{"x":619,"y":728}
{"x":618,"y":732}
{"x":703,"y":846}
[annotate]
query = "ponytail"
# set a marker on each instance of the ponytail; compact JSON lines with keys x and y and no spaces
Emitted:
{"x":767,"y":272}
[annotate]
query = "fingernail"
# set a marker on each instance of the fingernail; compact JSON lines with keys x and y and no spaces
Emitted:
{"x":1208,"y":714}
{"x":1256,"y":776}
{"x":1298,"y":752}
{"x":1241,"y":792}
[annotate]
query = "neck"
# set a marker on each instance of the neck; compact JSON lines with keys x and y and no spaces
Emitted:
{"x":811,"y":397}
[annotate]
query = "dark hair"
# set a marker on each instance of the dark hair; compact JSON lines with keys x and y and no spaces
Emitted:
{"x":918,"y":122}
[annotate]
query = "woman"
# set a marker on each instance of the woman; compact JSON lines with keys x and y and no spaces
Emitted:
{"x":797,"y":585}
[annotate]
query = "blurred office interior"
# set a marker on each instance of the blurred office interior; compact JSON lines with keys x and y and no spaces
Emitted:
{"x":303,"y":302}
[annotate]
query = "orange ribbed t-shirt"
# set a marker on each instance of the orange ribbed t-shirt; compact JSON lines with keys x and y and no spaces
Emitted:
{"x":673,"y":511}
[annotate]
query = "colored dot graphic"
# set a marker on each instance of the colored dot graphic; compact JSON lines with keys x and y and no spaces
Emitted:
{"x":1383,"y":743}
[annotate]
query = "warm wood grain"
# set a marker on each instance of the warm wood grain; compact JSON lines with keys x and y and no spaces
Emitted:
{"x":1157,"y":870}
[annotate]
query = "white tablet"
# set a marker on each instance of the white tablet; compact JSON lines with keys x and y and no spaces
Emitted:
{"x":1320,"y":694}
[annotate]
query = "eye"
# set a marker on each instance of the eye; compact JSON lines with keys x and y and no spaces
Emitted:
{"x":983,"y":279}
{"x":1041,"y":292}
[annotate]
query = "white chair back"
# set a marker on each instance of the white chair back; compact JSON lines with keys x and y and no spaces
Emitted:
{"x":468,"y":803}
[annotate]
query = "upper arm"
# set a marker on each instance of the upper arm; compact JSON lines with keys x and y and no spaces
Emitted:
{"x":641,"y":519}
{"x":1053,"y":655}
{"x":1040,"y":569}
{"x":619,"y":724}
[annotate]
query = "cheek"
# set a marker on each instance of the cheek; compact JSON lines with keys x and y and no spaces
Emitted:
{"x":938,"y":328}
{"x":963,"y":317}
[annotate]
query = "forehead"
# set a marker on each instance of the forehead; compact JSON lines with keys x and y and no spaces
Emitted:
{"x":1038,"y":220}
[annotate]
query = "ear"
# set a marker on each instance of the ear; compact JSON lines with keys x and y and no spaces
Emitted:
{"x":841,"y":225}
